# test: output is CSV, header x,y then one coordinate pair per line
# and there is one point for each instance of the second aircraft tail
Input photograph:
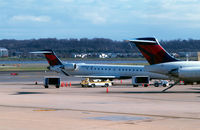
x,y
152,50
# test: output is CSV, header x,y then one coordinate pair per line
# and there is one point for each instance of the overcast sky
x,y
114,19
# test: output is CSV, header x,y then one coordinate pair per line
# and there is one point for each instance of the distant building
x,y
190,54
79,55
102,55
3,52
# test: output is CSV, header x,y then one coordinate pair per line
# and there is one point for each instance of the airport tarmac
x,y
24,105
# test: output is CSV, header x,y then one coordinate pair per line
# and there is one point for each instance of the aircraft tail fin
x,y
50,56
152,50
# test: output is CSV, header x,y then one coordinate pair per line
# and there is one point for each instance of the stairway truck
x,y
140,81
51,81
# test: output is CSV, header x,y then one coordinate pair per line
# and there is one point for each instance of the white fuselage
x,y
184,70
109,71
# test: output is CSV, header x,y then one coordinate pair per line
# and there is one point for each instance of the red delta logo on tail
x,y
152,50
50,56
52,59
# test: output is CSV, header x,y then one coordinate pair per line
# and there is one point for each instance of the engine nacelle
x,y
70,66
188,73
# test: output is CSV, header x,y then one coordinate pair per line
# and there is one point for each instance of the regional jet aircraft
x,y
97,71
161,62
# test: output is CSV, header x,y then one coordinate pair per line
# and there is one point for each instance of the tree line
x,y
65,47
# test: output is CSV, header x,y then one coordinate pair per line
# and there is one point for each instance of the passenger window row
x,y
113,69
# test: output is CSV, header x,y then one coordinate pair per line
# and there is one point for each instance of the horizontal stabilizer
x,y
143,40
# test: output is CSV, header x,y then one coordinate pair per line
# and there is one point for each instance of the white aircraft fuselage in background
x,y
97,71
105,71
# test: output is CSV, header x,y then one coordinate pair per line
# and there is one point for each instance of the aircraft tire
x,y
106,85
156,85
135,85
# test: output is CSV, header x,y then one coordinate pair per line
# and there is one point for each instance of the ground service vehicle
x,y
97,82
140,80
51,81
163,83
